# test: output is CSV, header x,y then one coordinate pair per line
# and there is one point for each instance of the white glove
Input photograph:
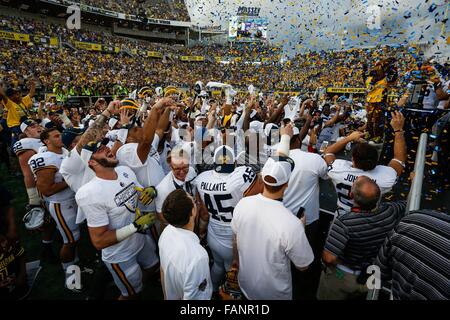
x,y
65,120
251,89
205,106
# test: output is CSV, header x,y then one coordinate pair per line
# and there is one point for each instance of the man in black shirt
x,y
12,259
354,241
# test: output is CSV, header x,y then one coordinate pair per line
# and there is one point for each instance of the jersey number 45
x,y
217,210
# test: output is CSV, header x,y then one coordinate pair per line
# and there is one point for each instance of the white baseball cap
x,y
279,169
24,125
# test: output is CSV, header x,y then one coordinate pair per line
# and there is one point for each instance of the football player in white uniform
x,y
364,162
76,172
24,149
430,99
110,202
220,190
59,198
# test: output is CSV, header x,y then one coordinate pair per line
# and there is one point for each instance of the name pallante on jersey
x,y
207,186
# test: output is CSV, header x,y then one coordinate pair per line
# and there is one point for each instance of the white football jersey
x,y
343,175
51,160
430,100
76,173
113,203
26,144
221,192
149,173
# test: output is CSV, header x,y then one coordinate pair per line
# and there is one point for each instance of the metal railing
x,y
415,193
414,197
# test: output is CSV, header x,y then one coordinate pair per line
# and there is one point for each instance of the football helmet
x,y
34,219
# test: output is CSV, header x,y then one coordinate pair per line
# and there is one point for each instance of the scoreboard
x,y
248,29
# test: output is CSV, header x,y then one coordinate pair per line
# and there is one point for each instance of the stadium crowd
x,y
217,196
156,9
257,64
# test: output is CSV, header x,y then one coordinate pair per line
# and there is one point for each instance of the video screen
x,y
248,29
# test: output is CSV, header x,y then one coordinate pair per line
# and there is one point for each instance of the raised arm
x,y
3,94
333,120
40,112
150,126
398,162
163,123
95,131
305,128
276,115
329,154
247,112
32,88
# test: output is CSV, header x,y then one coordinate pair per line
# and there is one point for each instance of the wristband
x,y
109,113
400,162
125,232
33,196
65,120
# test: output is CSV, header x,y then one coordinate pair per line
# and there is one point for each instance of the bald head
x,y
366,193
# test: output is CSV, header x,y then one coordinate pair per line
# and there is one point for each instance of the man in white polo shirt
x,y
267,237
184,269
181,176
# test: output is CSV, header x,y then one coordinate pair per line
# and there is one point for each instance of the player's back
x,y
343,175
222,191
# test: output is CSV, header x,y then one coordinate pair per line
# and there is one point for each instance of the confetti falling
x,y
324,25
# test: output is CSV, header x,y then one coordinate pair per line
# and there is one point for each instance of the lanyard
x,y
188,188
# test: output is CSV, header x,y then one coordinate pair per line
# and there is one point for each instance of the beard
x,y
108,163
